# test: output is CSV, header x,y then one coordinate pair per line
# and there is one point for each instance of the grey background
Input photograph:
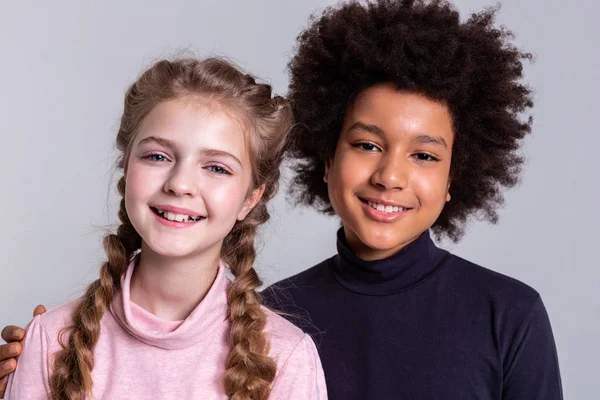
x,y
65,67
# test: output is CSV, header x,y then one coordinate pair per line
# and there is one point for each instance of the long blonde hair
x,y
249,371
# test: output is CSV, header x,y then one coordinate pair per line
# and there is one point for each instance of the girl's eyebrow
x,y
161,141
220,153
205,151
421,139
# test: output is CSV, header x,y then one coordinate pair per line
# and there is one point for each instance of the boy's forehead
x,y
385,107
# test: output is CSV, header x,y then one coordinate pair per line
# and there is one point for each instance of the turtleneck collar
x,y
391,275
203,320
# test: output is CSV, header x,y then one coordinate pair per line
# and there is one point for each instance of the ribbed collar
x,y
391,275
202,322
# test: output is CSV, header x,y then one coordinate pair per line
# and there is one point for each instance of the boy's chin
x,y
377,246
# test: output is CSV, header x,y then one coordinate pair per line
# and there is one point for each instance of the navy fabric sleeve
x,y
532,373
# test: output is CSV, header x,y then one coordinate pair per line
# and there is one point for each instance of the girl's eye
x,y
218,170
425,157
366,146
155,157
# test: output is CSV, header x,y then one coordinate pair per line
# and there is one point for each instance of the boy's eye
x,y
425,157
218,170
366,146
155,157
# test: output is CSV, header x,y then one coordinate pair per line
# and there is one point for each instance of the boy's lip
x,y
381,216
383,202
177,210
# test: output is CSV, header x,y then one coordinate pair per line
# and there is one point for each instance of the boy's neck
x,y
172,288
366,253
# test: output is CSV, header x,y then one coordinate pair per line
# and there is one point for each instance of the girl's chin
x,y
171,251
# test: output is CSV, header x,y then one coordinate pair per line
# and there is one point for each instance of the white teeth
x,y
171,216
385,208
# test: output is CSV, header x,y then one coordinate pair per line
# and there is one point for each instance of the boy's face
x,y
389,177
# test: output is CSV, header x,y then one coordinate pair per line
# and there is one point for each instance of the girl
x,y
200,145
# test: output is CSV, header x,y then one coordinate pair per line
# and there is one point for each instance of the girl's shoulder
x,y
299,370
286,338
55,320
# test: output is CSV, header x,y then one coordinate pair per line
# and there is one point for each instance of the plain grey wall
x,y
65,67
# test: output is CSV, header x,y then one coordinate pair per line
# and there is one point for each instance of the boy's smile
x,y
389,177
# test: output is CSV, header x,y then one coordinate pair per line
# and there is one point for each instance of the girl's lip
x,y
175,224
177,210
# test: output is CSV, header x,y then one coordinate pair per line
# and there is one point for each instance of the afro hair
x,y
422,47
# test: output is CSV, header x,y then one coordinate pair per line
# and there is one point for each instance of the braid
x,y
71,378
249,370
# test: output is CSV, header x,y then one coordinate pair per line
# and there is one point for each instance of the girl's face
x,y
188,178
389,177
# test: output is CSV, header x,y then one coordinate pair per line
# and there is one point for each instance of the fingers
x,y
7,366
3,382
13,333
39,310
10,350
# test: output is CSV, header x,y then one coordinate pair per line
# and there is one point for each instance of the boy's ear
x,y
250,202
448,196
327,167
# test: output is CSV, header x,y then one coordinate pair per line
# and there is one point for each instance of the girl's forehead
x,y
194,125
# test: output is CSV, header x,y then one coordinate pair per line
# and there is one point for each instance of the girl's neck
x,y
172,288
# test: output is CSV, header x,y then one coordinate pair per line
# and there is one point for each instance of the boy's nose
x,y
391,173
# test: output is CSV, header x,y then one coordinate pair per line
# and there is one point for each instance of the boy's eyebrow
x,y
205,151
423,139
369,128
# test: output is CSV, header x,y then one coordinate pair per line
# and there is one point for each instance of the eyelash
x,y
151,157
223,170
430,157
361,146
217,169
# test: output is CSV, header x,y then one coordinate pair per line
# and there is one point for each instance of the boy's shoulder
x,y
314,276
483,282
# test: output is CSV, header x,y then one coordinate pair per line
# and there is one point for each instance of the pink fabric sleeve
x,y
301,377
31,379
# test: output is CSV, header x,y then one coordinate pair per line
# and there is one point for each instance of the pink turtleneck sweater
x,y
139,356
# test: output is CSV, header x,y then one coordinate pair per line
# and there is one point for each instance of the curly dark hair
x,y
422,47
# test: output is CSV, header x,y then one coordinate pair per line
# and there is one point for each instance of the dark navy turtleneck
x,y
421,324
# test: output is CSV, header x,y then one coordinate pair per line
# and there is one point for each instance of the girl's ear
x,y
250,202
448,196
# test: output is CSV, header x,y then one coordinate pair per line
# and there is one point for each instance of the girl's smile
x,y
176,217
